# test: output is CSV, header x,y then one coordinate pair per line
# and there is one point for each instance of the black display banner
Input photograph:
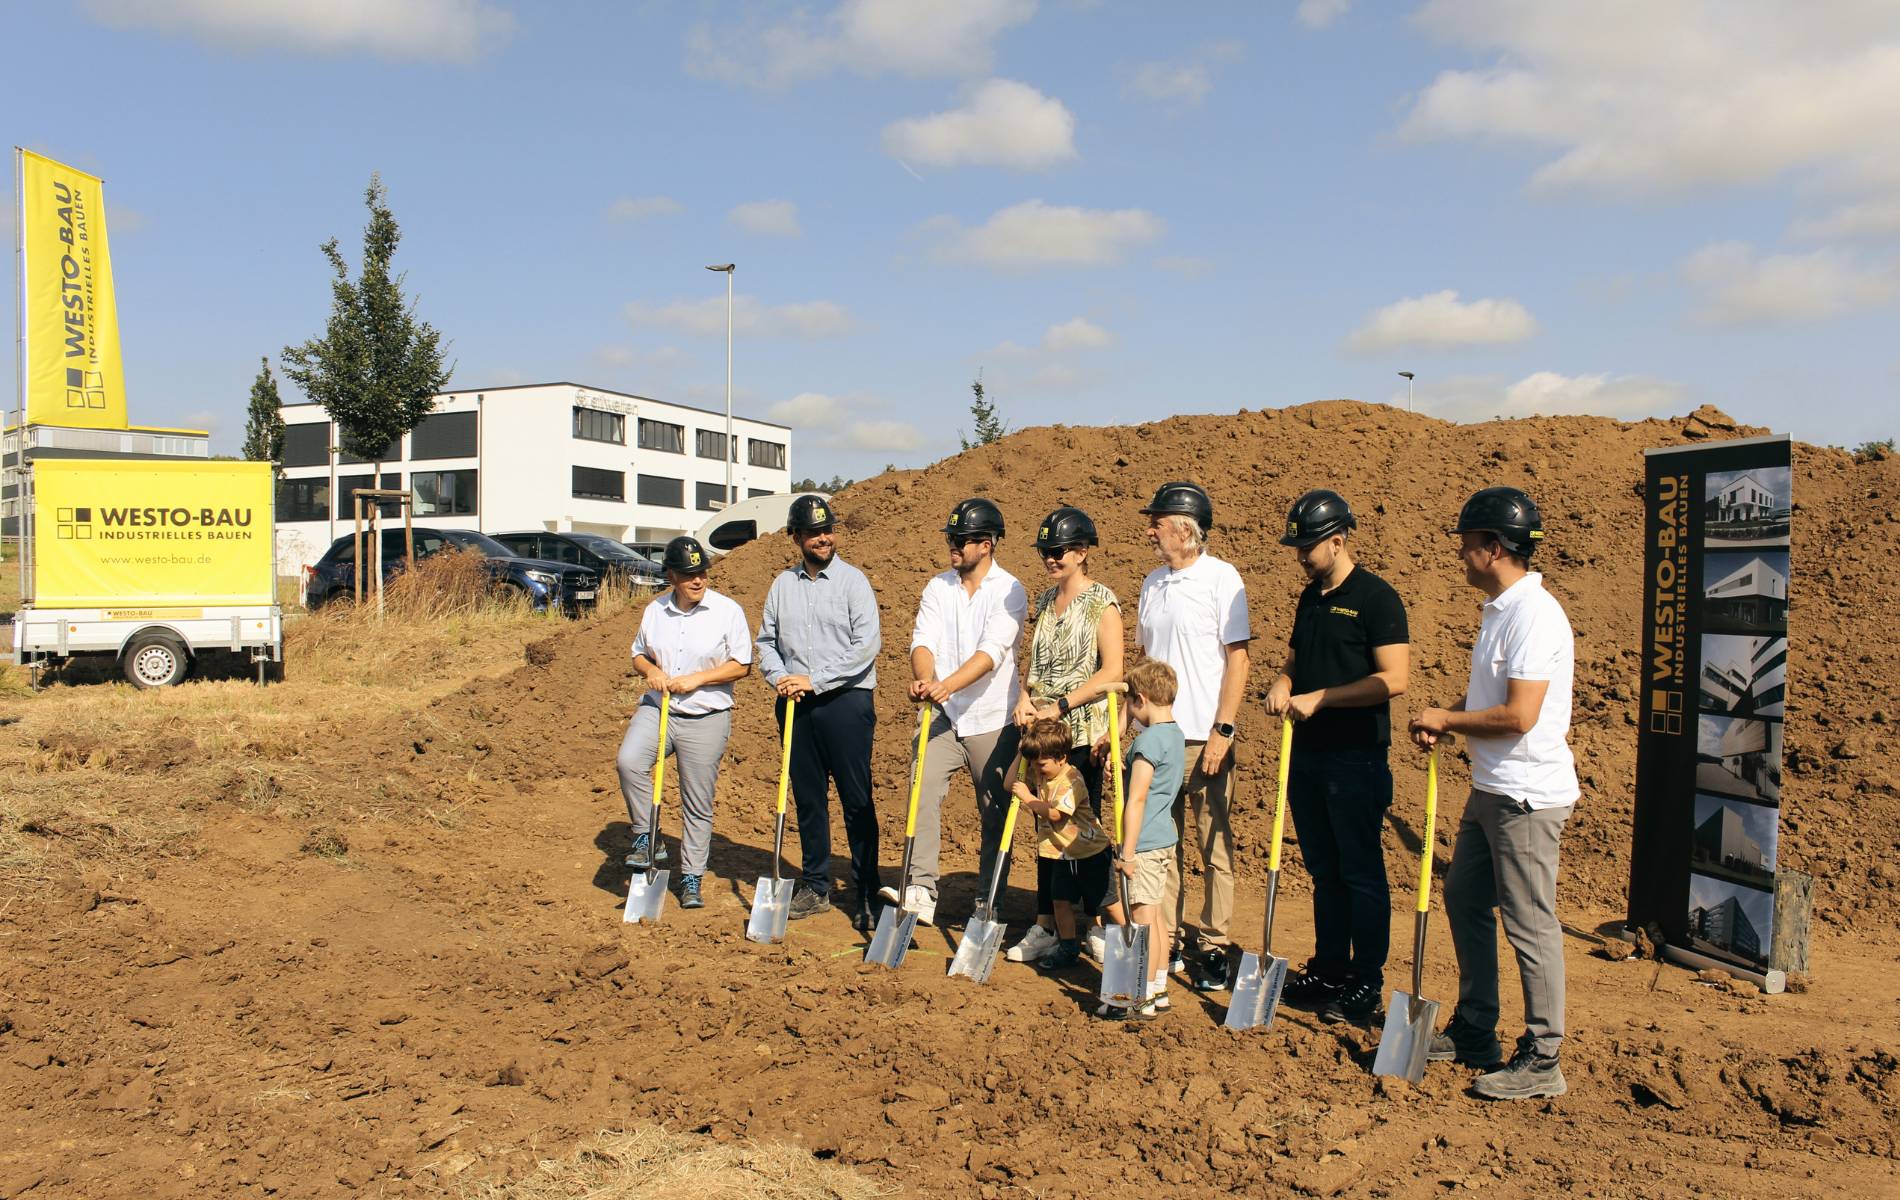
x,y
1715,674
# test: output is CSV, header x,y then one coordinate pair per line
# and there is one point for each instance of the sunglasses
x,y
958,541
1052,553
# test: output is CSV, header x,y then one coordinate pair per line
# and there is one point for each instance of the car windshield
x,y
605,547
468,539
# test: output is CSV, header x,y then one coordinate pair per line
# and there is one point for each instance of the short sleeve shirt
x,y
1078,834
1165,749
1524,634
1334,635
682,641
1188,618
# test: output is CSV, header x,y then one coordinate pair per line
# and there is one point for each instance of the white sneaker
x,y
916,899
1034,947
1095,942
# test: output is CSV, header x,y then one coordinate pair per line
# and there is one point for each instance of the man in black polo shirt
x,y
1349,655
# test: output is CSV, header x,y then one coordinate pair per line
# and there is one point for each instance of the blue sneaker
x,y
689,892
637,856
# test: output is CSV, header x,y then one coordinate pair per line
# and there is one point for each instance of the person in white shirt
x,y
693,643
963,660
1516,720
1193,616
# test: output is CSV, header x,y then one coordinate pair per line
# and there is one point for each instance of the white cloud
x,y
1873,220
1440,321
1640,98
1742,288
1182,81
1318,14
639,208
769,218
1002,124
205,419
919,38
1078,333
1033,234
448,30
838,422
1547,393
809,320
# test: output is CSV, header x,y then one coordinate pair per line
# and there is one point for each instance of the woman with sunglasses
x,y
1074,655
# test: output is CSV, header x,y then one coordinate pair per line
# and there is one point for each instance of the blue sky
x,y
1116,210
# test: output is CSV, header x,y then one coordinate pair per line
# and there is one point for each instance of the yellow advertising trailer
x,y
153,562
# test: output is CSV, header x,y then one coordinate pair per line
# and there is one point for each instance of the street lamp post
x,y
1408,390
727,269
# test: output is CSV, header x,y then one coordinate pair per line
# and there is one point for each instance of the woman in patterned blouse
x,y
1074,655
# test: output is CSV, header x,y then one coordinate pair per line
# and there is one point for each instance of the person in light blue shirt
x,y
818,644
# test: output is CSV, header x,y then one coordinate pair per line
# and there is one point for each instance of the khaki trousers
x,y
1201,814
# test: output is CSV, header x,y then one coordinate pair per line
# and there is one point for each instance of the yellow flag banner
x,y
74,375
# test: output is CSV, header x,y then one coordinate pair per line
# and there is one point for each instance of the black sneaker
x,y
863,918
1211,971
806,902
1357,1002
1463,1042
1528,1076
1065,955
689,892
1307,990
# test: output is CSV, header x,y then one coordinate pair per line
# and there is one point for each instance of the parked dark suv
x,y
602,555
574,589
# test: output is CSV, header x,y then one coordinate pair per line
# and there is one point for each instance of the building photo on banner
x,y
1742,699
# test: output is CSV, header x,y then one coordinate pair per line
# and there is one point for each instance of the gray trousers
x,y
1506,859
990,759
697,744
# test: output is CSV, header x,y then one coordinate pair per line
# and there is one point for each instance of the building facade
x,y
137,442
550,456
1753,594
1726,927
1724,841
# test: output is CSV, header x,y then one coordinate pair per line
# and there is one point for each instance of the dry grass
x,y
9,578
654,1164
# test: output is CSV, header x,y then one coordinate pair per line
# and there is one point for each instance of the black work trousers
x,y
1338,800
831,742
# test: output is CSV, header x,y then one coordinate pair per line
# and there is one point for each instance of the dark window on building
x,y
307,445
444,435
443,493
707,495
710,443
658,489
303,499
658,435
346,501
765,454
596,426
391,453
751,492
591,483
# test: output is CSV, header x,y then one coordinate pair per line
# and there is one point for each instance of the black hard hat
x,y
809,514
975,516
1066,526
686,555
1507,512
1317,516
1183,500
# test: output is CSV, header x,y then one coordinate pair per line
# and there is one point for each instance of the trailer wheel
x,y
155,659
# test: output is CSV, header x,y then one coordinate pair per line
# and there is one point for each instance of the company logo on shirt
x,y
1344,612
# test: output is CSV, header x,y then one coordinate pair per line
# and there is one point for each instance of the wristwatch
x,y
1062,705
1225,729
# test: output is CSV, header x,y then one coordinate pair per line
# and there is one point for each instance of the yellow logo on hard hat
x,y
953,517
1044,535
1293,529
692,558
818,513
1537,535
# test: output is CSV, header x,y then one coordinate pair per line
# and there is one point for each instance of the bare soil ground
x,y
360,932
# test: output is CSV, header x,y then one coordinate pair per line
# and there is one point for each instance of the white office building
x,y
549,456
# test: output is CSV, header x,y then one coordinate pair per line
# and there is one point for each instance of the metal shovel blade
x,y
1409,1022
646,897
1125,965
976,953
891,942
1256,994
771,908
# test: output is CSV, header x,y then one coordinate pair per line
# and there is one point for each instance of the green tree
x,y
989,425
264,427
837,483
376,368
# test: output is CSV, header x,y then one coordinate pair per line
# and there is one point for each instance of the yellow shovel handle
x,y
785,754
1009,820
1431,821
917,776
1115,760
659,758
1279,802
